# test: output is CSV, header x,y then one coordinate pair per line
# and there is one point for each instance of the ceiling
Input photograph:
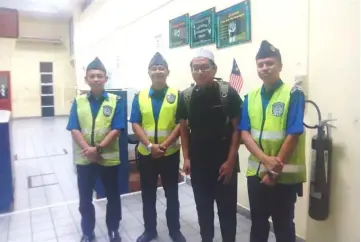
x,y
49,9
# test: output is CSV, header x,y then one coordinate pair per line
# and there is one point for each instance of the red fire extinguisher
x,y
320,181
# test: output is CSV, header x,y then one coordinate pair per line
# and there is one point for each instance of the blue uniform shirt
x,y
118,121
295,112
157,98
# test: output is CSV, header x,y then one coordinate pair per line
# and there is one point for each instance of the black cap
x,y
158,59
267,50
96,64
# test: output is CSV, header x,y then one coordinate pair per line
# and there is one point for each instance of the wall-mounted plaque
x,y
202,28
234,25
179,31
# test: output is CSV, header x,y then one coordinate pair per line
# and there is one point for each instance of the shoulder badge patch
x,y
107,110
171,98
278,109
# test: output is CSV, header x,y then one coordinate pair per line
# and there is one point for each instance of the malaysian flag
x,y
236,80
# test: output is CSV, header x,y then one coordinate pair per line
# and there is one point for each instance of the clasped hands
x,y
274,167
92,155
158,150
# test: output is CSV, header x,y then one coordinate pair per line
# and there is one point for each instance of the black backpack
x,y
223,92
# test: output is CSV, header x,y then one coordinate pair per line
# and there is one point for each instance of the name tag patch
x,y
107,110
278,109
170,98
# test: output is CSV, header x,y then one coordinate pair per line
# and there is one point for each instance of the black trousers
x,y
168,169
207,189
206,157
277,202
87,176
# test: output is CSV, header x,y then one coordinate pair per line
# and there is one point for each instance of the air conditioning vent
x,y
45,40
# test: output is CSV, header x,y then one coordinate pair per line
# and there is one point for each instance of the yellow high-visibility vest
x,y
269,133
166,121
102,126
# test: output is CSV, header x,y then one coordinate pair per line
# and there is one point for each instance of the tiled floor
x,y
61,222
45,206
43,167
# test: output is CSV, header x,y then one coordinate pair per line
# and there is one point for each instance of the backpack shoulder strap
x,y
223,92
187,95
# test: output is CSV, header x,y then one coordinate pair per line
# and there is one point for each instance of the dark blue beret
x,y
267,50
96,64
157,60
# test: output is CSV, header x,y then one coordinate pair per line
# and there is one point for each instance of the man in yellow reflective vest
x,y
95,122
154,122
272,130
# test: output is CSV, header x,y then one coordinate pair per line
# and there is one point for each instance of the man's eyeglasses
x,y
201,68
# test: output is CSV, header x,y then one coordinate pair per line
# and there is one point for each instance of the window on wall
x,y
47,89
46,67
46,79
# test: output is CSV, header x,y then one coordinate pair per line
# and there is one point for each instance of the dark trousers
x,y
207,189
277,202
168,169
87,176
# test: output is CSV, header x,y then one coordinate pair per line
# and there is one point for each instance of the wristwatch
x,y
99,149
149,147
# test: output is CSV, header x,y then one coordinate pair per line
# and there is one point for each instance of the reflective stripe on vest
x,y
102,124
174,145
108,156
286,168
271,132
103,131
151,133
166,121
268,135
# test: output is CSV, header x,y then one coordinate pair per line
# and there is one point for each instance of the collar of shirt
x,y
104,96
158,93
274,87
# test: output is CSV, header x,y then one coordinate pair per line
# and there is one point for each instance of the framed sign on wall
x,y
202,28
234,25
179,31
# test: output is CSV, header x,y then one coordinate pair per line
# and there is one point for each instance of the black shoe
x,y
147,237
178,237
114,236
86,238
